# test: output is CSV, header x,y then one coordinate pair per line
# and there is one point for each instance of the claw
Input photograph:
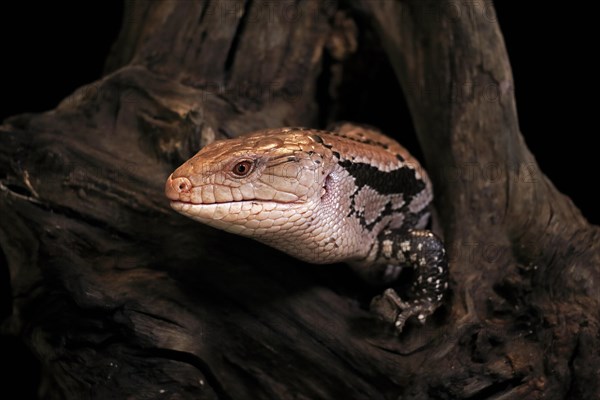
x,y
393,309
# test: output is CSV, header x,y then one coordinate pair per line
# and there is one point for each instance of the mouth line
x,y
189,203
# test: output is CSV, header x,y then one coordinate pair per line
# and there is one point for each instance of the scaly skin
x,y
347,195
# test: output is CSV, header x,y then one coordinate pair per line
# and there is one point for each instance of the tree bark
x,y
119,297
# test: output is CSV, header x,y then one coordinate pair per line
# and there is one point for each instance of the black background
x,y
50,49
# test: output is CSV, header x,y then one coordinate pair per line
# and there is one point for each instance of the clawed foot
x,y
393,309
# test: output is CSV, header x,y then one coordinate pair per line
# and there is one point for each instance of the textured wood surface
x,y
119,297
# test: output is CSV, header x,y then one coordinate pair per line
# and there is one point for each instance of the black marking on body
x,y
387,211
410,219
399,181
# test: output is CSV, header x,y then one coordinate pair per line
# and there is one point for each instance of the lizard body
x,y
347,195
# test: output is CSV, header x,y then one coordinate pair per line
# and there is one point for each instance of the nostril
x,y
182,184
177,186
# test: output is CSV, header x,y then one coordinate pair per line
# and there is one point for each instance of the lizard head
x,y
252,185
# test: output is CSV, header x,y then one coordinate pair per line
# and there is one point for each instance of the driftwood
x,y
119,297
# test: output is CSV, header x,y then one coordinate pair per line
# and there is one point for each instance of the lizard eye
x,y
243,168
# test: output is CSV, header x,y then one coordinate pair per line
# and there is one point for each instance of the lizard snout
x,y
176,187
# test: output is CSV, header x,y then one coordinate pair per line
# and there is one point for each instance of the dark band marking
x,y
387,211
402,180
